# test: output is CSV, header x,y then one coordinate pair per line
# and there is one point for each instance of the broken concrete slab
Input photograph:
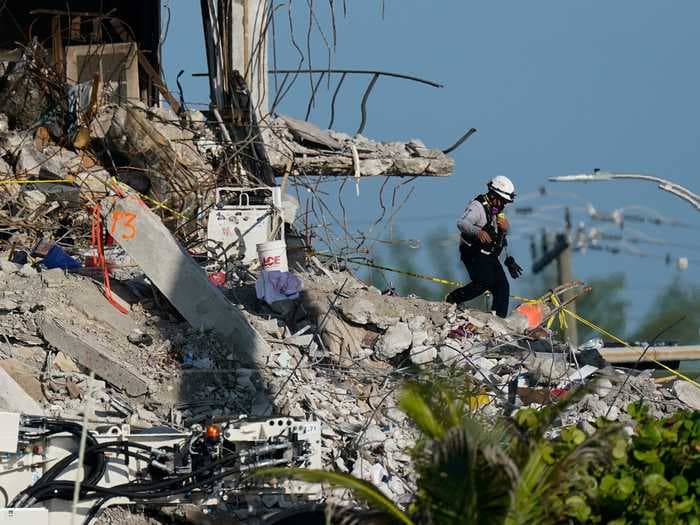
x,y
85,297
581,374
91,355
688,393
24,376
14,398
146,239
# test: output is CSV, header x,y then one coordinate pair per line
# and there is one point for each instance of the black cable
x,y
135,487
55,489
93,477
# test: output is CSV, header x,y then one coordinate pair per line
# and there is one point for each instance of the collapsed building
x,y
139,294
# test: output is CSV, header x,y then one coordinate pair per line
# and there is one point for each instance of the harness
x,y
475,246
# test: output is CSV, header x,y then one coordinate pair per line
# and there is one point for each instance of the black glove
x,y
513,268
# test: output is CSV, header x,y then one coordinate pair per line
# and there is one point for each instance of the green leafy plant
x,y
657,478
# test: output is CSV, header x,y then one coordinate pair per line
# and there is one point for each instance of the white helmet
x,y
503,187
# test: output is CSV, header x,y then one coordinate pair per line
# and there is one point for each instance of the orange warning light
x,y
213,432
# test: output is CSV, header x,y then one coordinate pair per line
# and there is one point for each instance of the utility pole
x,y
561,252
235,38
565,275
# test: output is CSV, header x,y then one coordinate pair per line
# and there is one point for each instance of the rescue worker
x,y
483,228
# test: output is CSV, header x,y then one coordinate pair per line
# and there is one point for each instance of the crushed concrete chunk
x,y
396,339
366,310
9,267
421,355
546,370
450,355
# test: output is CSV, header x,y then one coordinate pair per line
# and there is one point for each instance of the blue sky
x,y
553,88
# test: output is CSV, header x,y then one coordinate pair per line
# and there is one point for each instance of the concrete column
x,y
144,237
248,40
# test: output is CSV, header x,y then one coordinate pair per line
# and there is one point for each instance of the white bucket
x,y
273,255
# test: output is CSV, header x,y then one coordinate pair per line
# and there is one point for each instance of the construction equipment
x,y
161,467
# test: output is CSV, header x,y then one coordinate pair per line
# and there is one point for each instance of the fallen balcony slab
x,y
313,151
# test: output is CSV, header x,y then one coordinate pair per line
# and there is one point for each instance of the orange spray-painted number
x,y
124,219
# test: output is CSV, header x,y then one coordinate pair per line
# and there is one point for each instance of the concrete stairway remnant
x,y
146,239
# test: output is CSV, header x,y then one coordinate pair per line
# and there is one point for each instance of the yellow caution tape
x,y
440,280
561,315
162,205
601,331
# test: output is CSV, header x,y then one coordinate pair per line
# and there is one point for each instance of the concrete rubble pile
x,y
339,353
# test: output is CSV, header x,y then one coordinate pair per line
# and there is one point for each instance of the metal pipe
x,y
349,71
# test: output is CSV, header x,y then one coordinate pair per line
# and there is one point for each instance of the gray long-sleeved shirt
x,y
474,219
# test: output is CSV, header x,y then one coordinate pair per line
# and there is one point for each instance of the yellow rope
x,y
394,270
162,205
625,343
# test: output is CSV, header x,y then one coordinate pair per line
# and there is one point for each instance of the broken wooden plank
x,y
158,82
91,355
631,354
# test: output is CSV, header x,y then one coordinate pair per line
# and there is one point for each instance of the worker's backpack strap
x,y
474,245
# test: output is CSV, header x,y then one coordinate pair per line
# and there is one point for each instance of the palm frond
x,y
361,489
533,485
463,479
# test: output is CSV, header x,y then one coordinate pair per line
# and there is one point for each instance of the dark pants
x,y
486,273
